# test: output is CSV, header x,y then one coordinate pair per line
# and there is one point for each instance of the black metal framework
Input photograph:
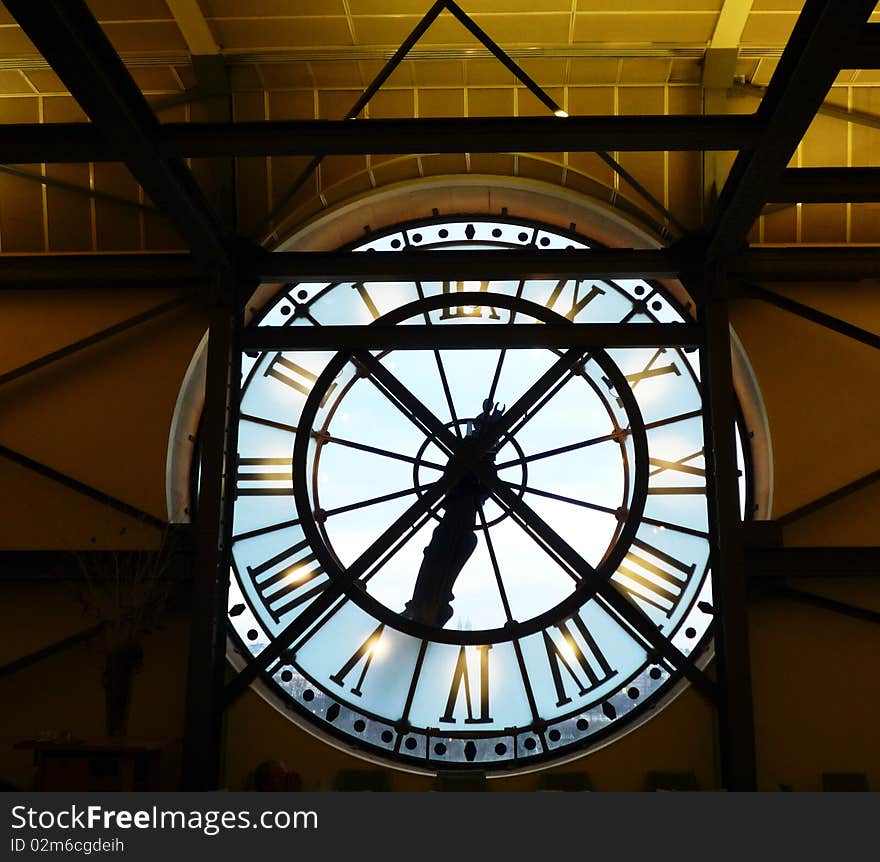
x,y
569,340
828,36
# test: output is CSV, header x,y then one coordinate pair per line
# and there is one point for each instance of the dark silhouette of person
x,y
453,541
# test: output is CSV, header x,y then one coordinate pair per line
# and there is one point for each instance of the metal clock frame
x,y
677,667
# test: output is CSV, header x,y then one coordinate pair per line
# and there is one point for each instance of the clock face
x,y
479,558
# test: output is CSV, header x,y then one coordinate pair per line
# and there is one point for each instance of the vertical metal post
x,y
203,731
736,731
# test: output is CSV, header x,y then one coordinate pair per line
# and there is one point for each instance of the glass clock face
x,y
478,538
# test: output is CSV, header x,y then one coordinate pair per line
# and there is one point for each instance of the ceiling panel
x,y
336,73
143,10
270,8
248,35
280,75
498,102
696,27
599,70
12,81
764,28
45,81
644,70
675,6
528,29
145,36
402,76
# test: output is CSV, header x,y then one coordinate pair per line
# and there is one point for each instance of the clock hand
x,y
453,540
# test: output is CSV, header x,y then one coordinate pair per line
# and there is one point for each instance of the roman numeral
x,y
294,376
282,590
680,466
578,302
461,678
461,310
258,477
648,371
571,658
363,293
364,653
655,576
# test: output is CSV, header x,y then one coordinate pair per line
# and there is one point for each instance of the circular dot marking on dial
x,y
500,749
416,237
583,724
285,309
656,305
411,743
639,289
554,735
632,693
496,232
522,237
360,725
690,632
530,744
387,736
443,233
308,695
655,673
439,749
252,634
286,676
302,294
395,243
545,241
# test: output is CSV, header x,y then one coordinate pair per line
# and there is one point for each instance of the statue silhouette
x,y
453,540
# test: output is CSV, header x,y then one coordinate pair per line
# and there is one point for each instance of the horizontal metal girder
x,y
463,265
810,562
792,264
835,264
80,142
865,54
97,270
463,336
827,185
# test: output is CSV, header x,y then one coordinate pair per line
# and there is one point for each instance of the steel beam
x,y
781,590
793,264
812,562
807,312
833,264
204,728
865,53
69,37
827,185
823,34
50,650
91,340
736,733
31,271
463,265
829,498
464,336
86,490
79,142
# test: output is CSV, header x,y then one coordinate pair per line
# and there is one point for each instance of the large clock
x,y
481,558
